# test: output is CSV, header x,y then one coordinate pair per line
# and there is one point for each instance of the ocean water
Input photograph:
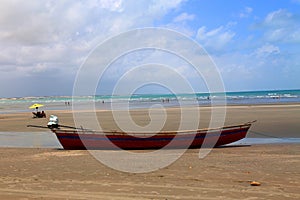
x,y
21,104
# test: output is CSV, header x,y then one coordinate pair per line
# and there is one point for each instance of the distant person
x,y
36,114
39,114
43,114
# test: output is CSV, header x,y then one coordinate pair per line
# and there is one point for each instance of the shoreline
x,y
120,106
69,110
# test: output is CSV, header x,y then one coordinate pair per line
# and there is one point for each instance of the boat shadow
x,y
218,147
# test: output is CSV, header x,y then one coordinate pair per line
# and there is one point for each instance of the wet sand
x,y
272,120
225,173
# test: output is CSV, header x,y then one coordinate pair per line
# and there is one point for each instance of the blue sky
x,y
255,44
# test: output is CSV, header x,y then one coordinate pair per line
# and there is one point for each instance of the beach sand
x,y
226,173
272,120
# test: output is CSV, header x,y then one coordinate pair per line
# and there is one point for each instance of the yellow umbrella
x,y
36,105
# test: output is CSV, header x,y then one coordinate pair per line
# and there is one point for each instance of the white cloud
x,y
42,36
184,17
215,39
111,5
159,7
264,68
279,17
281,26
45,23
267,50
246,12
180,24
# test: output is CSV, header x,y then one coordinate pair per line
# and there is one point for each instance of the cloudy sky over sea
x,y
255,44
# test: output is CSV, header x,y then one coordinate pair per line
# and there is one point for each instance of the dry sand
x,y
225,173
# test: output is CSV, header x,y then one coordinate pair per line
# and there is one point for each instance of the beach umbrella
x,y
36,105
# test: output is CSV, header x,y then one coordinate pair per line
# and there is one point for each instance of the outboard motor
x,y
53,122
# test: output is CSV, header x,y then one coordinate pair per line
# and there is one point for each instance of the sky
x,y
254,43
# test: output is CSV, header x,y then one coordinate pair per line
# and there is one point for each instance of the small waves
x,y
248,97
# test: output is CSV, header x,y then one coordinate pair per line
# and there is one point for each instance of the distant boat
x,y
88,139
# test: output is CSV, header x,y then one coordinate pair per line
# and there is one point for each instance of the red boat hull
x,y
81,139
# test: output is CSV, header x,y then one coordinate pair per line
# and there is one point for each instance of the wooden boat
x,y
88,139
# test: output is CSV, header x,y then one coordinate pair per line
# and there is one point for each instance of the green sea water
x,y
135,101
